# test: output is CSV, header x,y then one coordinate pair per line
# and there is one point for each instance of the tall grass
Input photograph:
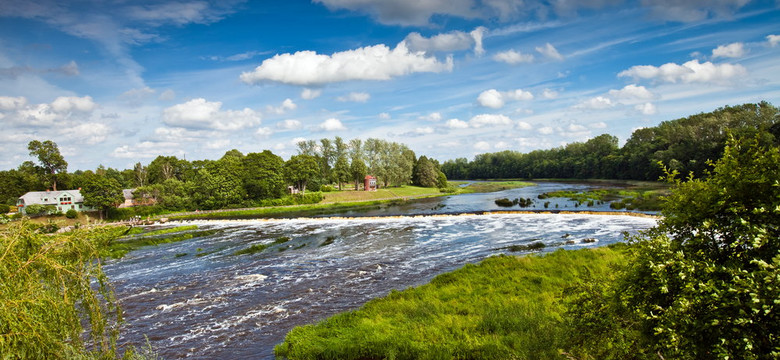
x,y
506,307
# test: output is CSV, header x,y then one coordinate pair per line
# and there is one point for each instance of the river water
x,y
196,299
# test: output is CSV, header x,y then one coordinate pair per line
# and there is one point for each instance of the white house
x,y
62,200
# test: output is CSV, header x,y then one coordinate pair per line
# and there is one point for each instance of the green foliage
x,y
52,162
504,202
301,169
71,214
39,209
264,175
704,283
4,209
504,308
55,300
102,193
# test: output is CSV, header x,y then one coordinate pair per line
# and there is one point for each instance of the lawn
x,y
379,194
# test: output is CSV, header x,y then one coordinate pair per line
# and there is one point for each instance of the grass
x,y
646,199
503,308
493,186
383,193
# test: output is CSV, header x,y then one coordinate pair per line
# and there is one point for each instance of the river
x,y
196,299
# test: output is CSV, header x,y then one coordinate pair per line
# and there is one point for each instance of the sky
x,y
117,82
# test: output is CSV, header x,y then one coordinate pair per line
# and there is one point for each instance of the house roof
x,y
50,197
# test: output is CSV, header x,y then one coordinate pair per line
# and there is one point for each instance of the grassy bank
x,y
503,308
135,239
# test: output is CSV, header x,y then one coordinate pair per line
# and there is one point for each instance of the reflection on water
x,y
239,307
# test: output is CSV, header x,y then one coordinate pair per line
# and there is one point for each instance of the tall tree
x,y
264,175
102,193
358,171
341,170
301,169
52,162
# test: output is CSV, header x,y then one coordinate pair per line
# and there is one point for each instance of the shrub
x,y
504,202
4,209
71,214
327,188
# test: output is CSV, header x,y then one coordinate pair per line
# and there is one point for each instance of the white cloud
x,y
632,92
88,133
405,12
598,125
482,145
646,109
550,51
355,97
456,124
308,94
773,40
576,128
446,42
377,62
596,103
289,124
177,13
494,99
477,35
297,140
423,130
331,124
522,125
137,96
434,116
547,130
733,50
513,57
287,105
217,144
65,104
145,150
384,116
481,120
201,114
549,94
264,132
689,72
8,103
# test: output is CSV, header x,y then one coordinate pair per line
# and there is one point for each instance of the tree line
x,y
684,145
234,180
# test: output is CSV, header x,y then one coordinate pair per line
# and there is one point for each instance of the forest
x,y
235,180
684,145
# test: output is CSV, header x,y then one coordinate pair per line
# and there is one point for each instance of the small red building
x,y
369,183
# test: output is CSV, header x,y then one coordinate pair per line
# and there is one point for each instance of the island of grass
x,y
136,238
647,197
506,307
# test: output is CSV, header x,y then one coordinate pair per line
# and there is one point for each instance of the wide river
x,y
230,306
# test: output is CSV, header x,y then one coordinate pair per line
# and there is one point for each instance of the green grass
x,y
646,199
493,186
503,308
382,193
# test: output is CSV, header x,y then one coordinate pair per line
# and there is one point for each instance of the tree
x,y
102,193
301,169
264,175
426,173
358,171
341,170
51,160
704,283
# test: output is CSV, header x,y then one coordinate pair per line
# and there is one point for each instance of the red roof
x,y
369,177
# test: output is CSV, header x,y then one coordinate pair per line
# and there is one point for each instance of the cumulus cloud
x,y
496,99
145,150
264,132
632,92
481,120
331,124
355,97
434,116
88,133
384,116
308,94
477,35
550,51
287,105
522,125
646,109
513,57
62,109
456,124
689,72
547,130
482,145
379,62
773,40
167,95
598,125
201,114
549,94
289,124
596,103
137,96
733,50
692,10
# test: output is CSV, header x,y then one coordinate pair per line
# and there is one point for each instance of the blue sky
x,y
118,82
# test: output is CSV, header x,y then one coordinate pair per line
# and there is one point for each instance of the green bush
x,y
71,214
4,209
327,188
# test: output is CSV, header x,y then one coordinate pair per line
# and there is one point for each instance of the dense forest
x,y
234,180
684,145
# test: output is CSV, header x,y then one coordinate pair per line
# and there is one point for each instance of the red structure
x,y
369,183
